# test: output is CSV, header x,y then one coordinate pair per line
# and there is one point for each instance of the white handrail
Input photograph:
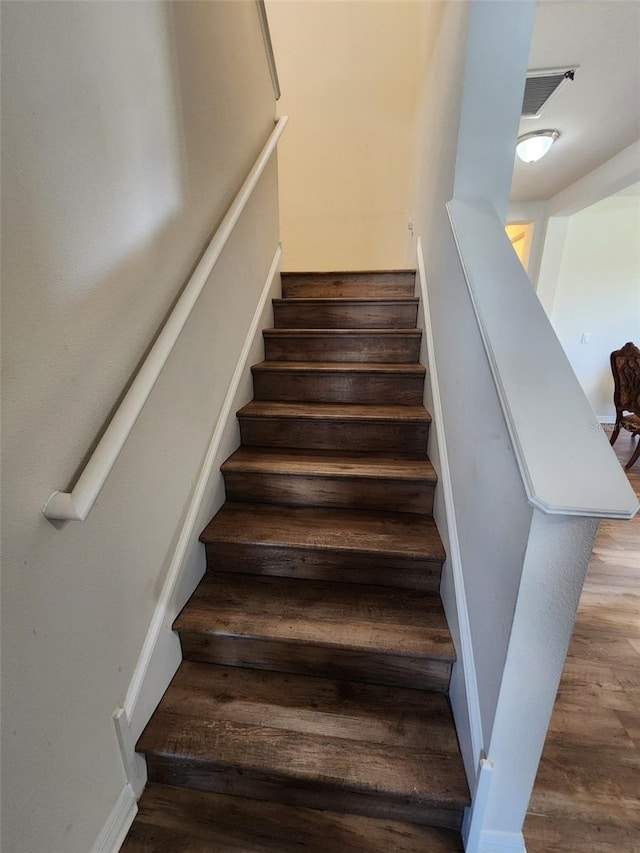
x,y
268,46
566,464
76,505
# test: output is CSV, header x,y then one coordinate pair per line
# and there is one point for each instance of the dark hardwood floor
x,y
587,793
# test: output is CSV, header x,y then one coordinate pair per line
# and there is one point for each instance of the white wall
x,y
349,74
127,128
598,292
617,174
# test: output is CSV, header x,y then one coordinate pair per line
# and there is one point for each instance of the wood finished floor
x,y
587,793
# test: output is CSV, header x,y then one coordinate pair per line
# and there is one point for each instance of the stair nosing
x,y
359,273
345,300
233,464
412,332
317,643
329,411
328,367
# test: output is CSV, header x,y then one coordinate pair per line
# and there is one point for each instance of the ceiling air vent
x,y
540,86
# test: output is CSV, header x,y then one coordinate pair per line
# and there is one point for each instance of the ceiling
x,y
598,114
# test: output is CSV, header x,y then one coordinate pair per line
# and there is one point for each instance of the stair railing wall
x,y
537,535
77,504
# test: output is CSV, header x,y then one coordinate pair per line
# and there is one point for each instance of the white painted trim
x,y
502,842
115,829
546,412
76,505
189,531
135,765
268,47
475,815
468,660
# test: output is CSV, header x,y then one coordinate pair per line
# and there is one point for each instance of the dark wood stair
x,y
188,821
339,382
330,426
349,285
336,313
356,546
319,743
394,346
331,478
337,630
310,709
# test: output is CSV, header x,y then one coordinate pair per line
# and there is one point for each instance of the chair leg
x,y
615,434
634,457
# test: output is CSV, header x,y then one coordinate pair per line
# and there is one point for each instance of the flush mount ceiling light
x,y
532,146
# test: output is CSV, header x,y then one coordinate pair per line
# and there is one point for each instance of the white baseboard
x,y
160,653
118,823
502,842
134,765
474,816
455,559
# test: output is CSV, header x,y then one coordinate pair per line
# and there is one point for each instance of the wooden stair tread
x,y
331,463
356,531
361,738
175,819
359,367
346,616
334,411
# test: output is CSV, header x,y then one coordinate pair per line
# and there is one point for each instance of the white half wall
x,y
127,130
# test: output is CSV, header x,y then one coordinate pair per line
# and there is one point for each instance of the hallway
x,y
587,792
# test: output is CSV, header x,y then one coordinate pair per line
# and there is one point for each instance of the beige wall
x,y
598,292
127,128
349,78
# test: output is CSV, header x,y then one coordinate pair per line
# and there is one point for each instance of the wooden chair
x,y
625,366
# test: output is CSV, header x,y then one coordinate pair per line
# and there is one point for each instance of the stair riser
x,y
183,772
371,316
390,285
324,565
389,349
319,660
356,388
331,435
360,493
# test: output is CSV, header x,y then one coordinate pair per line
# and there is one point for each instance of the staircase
x,y
310,711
